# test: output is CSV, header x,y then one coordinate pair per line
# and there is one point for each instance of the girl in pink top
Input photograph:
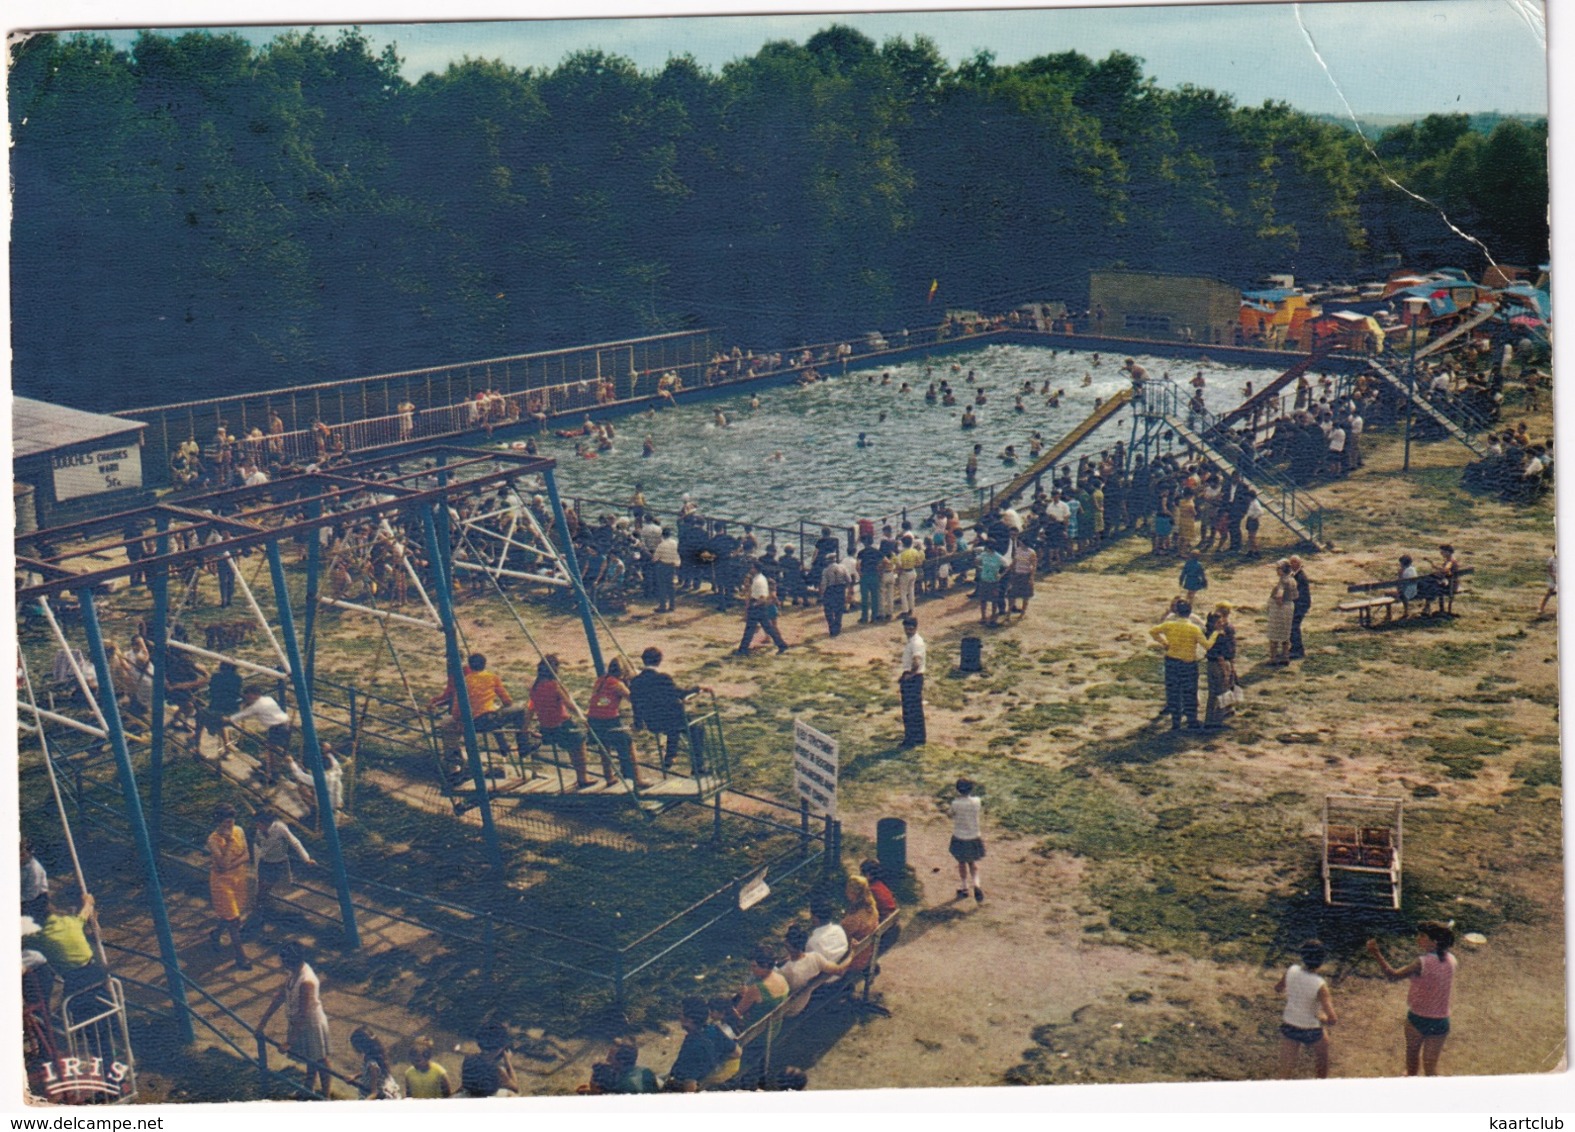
x,y
1432,978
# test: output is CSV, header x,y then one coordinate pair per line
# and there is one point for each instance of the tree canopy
x,y
198,212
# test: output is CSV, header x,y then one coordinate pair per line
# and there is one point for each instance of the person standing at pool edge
x,y
910,685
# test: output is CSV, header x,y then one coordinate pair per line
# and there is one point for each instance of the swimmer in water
x,y
754,402
1009,456
650,447
972,468
949,398
721,419
1044,390
1096,359
882,418
1055,400
864,441
1088,379
968,419
956,367
903,388
885,378
930,394
979,398
775,457
1019,407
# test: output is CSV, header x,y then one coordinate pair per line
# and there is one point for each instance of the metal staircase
x,y
1164,406
1473,422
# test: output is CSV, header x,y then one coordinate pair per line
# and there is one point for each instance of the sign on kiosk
x,y
815,768
90,473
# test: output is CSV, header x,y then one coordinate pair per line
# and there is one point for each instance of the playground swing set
x,y
59,564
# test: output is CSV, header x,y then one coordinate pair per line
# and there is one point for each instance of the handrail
x,y
343,382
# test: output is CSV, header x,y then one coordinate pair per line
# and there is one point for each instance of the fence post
x,y
716,819
803,827
355,741
826,844
262,1061
488,966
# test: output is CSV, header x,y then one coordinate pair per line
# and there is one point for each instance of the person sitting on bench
x,y
1406,591
488,697
658,705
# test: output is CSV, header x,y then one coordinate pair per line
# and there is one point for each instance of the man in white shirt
x,y
760,611
267,712
910,685
666,560
1336,450
827,938
1353,439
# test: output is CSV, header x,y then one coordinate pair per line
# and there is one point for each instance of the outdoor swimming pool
x,y
916,451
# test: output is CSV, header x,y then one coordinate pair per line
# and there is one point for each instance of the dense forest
x,y
200,214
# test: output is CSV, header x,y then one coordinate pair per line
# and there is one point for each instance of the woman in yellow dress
x,y
228,880
1186,523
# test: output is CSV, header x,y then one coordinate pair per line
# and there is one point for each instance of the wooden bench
x,y
1364,607
852,991
1430,590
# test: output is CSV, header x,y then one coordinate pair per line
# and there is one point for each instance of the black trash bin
x,y
972,652
891,848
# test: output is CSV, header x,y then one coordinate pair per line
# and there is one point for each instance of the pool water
x,y
797,457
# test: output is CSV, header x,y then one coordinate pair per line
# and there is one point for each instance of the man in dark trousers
x,y
869,557
834,582
1300,608
657,704
911,685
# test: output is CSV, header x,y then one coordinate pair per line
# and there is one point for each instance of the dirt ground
x,y
1144,890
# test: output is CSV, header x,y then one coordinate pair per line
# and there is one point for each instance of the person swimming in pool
x,y
721,419
864,440
1009,455
969,420
650,447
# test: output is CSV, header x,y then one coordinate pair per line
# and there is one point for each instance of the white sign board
x,y
91,473
815,768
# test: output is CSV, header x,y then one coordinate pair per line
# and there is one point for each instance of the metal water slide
x,y
1058,451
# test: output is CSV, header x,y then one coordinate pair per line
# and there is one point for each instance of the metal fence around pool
x,y
365,412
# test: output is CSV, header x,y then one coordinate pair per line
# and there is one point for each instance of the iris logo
x,y
83,1078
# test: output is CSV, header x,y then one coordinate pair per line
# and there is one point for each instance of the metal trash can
x,y
891,848
972,653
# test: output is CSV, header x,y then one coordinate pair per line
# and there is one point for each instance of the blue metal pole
x,y
309,744
139,827
159,583
581,597
441,586
313,575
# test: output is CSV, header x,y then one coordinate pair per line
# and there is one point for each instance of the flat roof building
x,y
68,463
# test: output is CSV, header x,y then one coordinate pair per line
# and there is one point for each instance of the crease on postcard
x,y
1526,10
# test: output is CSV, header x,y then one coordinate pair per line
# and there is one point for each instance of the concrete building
x,y
1172,308
68,464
